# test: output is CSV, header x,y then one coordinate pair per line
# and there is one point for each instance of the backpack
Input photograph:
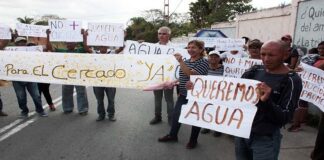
x,y
288,113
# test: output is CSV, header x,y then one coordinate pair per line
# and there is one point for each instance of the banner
x,y
221,44
105,34
313,85
235,67
25,48
65,31
5,32
135,48
106,70
31,30
222,104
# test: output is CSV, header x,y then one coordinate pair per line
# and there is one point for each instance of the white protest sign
x,y
25,48
135,48
309,30
235,67
106,70
222,44
31,30
105,34
220,103
313,85
65,30
5,32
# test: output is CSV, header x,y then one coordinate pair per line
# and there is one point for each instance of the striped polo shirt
x,y
200,66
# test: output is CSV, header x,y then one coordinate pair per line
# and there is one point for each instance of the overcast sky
x,y
113,11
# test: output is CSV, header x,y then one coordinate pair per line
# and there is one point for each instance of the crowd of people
x,y
279,90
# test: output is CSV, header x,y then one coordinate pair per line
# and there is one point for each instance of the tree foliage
x,y
205,12
145,27
26,20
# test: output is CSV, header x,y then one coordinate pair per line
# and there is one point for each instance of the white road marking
x,y
57,102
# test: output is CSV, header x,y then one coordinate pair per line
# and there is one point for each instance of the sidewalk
x,y
297,145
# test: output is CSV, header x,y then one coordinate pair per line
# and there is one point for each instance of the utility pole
x,y
166,11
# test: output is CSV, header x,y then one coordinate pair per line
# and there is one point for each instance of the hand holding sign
x,y
178,56
263,91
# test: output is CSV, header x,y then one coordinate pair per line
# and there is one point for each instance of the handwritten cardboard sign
x,y
309,30
135,48
221,44
105,34
235,67
31,30
313,85
25,48
220,103
5,32
65,31
113,70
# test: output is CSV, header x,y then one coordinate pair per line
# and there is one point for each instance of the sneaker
x,y
168,138
191,145
156,120
3,114
112,118
205,131
217,134
23,115
293,128
43,114
84,113
100,118
52,107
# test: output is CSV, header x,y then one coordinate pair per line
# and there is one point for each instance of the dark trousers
x,y
44,88
176,125
100,94
1,104
318,153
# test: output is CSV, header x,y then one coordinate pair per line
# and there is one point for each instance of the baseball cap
x,y
214,52
20,39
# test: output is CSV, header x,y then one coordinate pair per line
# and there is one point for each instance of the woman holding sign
x,y
196,65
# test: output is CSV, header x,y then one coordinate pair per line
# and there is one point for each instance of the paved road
x,y
75,137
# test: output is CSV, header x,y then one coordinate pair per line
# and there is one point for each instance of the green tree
x,y
25,20
205,12
145,27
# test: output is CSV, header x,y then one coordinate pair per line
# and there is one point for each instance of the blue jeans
x,y
100,94
32,88
258,147
168,96
175,127
67,98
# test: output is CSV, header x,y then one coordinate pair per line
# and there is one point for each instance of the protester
x,y
67,90
20,90
292,59
215,69
44,88
100,94
318,153
196,65
254,48
301,112
3,44
163,36
279,93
